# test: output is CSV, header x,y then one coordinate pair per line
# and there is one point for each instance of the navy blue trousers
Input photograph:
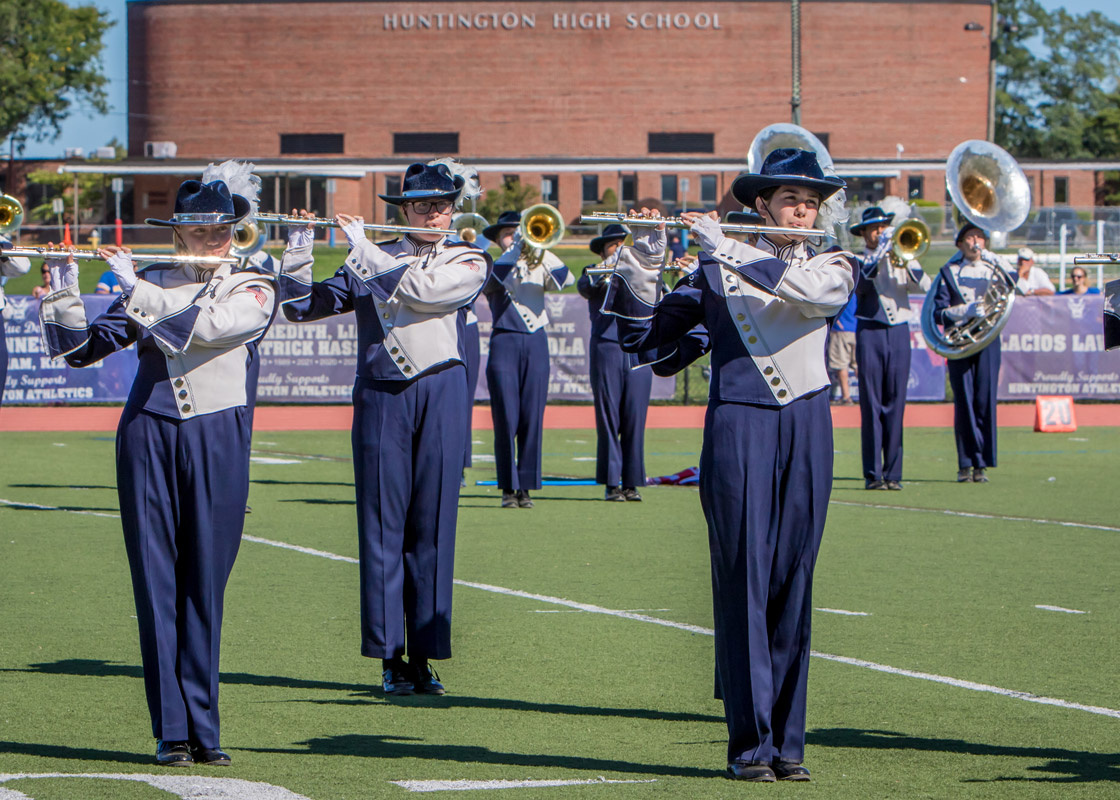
x,y
182,486
472,346
765,480
975,381
408,456
883,359
517,375
621,396
3,359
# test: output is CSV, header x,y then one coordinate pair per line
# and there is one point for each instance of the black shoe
x,y
978,475
426,681
894,486
750,771
509,500
209,756
614,495
523,499
874,485
396,681
173,754
790,771
631,494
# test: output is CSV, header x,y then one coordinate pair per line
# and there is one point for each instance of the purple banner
x,y
1055,345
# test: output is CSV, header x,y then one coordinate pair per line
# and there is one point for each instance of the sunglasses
x,y
1077,276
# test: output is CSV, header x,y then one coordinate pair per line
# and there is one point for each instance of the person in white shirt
x,y
1032,279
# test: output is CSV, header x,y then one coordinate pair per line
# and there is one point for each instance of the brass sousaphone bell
x,y
991,191
469,226
11,215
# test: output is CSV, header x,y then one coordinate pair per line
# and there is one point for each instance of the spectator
x,y
842,352
107,284
44,288
1032,279
1080,283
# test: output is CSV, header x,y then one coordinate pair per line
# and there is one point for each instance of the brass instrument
x,y
677,222
910,241
469,226
11,214
1097,259
990,190
92,255
249,237
325,222
541,229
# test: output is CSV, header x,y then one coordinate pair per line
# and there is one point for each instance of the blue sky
x,y
91,131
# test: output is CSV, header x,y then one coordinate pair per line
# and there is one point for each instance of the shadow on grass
x,y
57,486
317,501
114,510
365,693
273,482
74,753
388,747
1070,766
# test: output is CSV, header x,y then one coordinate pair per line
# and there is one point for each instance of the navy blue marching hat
x,y
871,216
970,226
786,166
426,182
612,233
199,203
743,218
507,219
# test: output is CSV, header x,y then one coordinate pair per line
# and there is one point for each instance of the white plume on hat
x,y
834,211
897,207
239,177
471,187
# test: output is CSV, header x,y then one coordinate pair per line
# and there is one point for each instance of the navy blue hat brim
x,y
425,194
241,208
600,242
857,229
491,232
970,226
747,187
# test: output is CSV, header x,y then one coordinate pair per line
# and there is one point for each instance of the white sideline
x,y
465,785
856,662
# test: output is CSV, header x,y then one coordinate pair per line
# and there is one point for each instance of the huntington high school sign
x,y
559,21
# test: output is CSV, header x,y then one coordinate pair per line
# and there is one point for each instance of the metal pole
x,y
1063,232
992,53
795,29
77,222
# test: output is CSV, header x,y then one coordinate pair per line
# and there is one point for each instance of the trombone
x,y
93,255
325,222
677,222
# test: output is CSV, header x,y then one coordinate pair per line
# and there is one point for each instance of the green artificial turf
x,y
539,690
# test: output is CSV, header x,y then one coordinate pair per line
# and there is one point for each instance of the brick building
x,y
332,98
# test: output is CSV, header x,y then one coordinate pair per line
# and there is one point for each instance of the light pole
x,y
795,31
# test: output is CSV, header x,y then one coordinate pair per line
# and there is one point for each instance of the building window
x,y
425,143
550,189
682,142
1061,191
302,143
709,189
590,189
628,189
669,189
510,180
915,187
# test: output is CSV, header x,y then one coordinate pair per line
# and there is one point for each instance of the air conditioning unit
x,y
160,149
105,152
74,152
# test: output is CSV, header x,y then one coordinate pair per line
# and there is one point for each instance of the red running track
x,y
337,418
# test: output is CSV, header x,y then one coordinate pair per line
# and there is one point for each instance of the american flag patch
x,y
259,294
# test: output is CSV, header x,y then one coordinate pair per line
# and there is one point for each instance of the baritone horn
x,y
991,191
541,229
469,226
11,214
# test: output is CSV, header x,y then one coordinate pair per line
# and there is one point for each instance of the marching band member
x,y
410,412
182,444
620,388
883,315
9,268
965,279
517,366
766,464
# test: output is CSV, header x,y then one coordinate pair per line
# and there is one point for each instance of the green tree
x,y
50,59
512,196
1055,72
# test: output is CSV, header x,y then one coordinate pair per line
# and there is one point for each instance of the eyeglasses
x,y
1079,276
425,207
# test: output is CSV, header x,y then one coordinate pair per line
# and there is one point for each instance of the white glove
x,y
64,273
121,265
964,312
300,236
355,233
708,233
651,241
887,235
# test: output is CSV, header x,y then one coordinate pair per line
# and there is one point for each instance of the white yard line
x,y
37,507
465,786
976,515
855,662
1063,610
843,612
